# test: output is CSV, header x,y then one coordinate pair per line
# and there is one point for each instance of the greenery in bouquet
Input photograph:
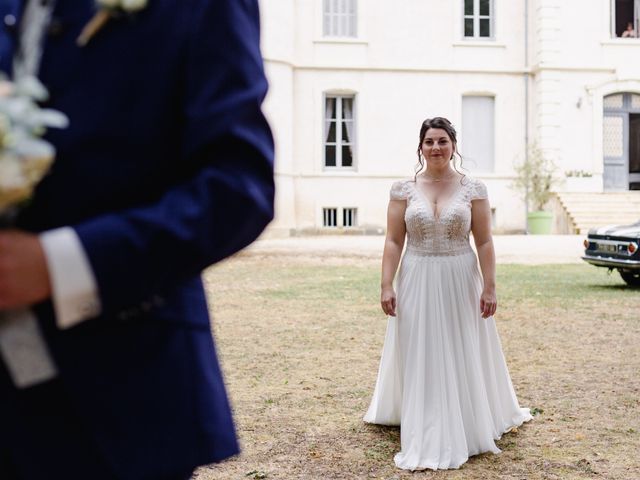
x,y
24,156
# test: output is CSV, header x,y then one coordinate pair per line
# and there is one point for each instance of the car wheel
x,y
632,278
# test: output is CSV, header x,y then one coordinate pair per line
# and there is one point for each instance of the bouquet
x,y
24,159
24,156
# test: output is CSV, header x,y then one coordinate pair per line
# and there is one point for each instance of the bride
x,y
443,376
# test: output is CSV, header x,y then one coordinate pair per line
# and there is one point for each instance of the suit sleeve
x,y
228,199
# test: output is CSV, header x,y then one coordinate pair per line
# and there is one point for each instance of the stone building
x,y
352,80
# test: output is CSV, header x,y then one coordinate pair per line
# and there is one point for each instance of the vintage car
x,y
615,246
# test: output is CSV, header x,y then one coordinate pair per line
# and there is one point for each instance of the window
x,y
339,18
349,217
624,18
329,217
478,21
338,135
478,133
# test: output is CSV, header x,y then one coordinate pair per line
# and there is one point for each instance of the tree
x,y
535,178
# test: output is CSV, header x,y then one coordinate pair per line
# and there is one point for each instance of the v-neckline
x,y
425,198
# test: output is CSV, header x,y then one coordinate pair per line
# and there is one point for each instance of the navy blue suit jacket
x,y
166,168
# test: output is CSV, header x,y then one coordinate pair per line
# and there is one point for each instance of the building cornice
x,y
399,69
403,69
570,68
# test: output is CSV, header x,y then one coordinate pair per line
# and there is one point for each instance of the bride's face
x,y
437,148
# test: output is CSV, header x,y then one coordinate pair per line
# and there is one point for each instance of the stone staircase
x,y
588,210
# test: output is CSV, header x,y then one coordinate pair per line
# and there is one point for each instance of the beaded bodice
x,y
445,232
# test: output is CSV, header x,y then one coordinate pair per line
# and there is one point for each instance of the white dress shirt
x,y
74,290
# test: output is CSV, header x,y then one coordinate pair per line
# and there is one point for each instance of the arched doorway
x,y
621,142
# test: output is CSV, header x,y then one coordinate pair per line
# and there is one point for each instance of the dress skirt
x,y
443,377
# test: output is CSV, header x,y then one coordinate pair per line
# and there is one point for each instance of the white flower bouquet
x,y
24,156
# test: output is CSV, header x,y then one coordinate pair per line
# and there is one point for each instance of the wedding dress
x,y
442,376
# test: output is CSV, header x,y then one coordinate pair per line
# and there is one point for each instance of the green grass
x,y
567,284
564,286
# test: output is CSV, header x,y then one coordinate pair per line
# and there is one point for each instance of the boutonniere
x,y
106,10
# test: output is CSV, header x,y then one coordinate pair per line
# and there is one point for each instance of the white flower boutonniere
x,y
106,10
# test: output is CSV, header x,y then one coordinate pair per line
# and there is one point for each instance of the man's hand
x,y
24,276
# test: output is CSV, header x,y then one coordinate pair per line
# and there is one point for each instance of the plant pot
x,y
539,223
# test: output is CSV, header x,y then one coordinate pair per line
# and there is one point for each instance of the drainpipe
x,y
526,106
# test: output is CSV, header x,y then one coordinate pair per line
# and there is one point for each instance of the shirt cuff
x,y
74,287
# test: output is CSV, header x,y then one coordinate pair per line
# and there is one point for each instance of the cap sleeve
x,y
478,190
398,191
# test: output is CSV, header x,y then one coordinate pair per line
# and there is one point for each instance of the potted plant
x,y
535,178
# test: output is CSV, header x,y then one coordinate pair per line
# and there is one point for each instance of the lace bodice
x,y
448,232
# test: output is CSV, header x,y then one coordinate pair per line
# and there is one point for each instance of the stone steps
x,y
590,210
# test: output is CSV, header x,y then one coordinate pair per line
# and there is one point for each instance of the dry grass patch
x,y
300,339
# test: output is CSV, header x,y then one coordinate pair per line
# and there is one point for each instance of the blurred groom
x,y
166,168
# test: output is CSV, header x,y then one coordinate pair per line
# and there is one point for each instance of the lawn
x,y
300,339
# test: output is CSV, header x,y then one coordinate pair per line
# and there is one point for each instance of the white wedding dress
x,y
443,376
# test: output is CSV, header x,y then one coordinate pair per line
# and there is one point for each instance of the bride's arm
x,y
481,228
393,246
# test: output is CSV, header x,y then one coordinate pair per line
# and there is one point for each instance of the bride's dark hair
x,y
444,124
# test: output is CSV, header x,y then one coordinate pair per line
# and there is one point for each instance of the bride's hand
x,y
488,303
388,301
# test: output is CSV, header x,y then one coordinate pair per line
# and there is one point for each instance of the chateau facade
x,y
352,80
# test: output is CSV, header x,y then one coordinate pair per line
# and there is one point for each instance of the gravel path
x,y
527,249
